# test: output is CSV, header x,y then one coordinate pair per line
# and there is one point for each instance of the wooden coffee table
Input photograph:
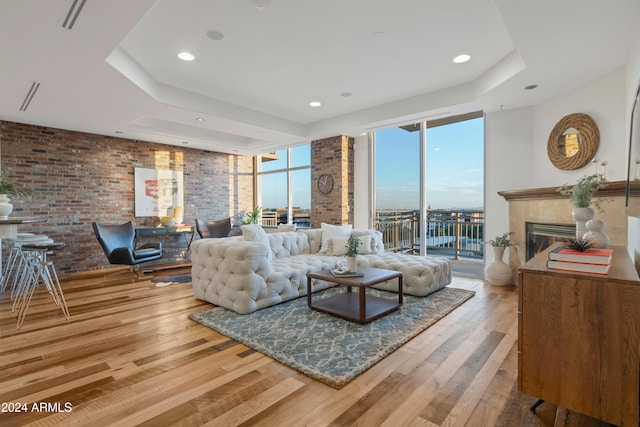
x,y
358,307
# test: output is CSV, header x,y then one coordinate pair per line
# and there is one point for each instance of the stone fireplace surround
x,y
546,205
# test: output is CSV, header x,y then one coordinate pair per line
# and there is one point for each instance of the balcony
x,y
457,234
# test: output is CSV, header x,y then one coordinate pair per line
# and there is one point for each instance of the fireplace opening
x,y
542,235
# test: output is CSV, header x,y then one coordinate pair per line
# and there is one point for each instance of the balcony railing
x,y
454,233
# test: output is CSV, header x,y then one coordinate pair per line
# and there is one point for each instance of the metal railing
x,y
454,233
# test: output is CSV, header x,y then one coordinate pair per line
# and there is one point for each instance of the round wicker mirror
x,y
573,142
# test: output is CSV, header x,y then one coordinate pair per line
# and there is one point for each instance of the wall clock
x,y
325,183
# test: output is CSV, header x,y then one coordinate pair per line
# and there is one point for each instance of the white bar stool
x,y
38,269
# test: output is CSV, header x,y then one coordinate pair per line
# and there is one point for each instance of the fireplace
x,y
542,235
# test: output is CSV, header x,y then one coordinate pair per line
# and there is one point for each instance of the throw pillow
x,y
338,245
255,233
286,227
329,231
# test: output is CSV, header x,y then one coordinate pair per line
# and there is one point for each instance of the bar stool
x,y
13,266
37,268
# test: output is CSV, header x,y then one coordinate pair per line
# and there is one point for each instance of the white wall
x,y
361,183
507,165
604,100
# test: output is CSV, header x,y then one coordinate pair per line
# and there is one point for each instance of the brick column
x,y
332,156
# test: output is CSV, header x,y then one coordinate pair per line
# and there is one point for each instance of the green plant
x,y
353,246
582,193
10,187
502,240
252,217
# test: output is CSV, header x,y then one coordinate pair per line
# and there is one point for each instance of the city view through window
x,y
454,187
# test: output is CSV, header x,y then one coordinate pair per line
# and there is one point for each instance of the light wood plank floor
x,y
130,356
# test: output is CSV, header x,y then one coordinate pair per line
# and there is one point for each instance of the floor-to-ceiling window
x,y
284,186
432,170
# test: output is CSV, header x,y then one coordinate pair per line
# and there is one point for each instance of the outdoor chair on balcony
x,y
118,242
220,228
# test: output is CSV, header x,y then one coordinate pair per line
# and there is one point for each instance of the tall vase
x,y
352,264
497,272
5,207
581,216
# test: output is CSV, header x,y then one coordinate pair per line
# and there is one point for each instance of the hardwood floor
x,y
130,356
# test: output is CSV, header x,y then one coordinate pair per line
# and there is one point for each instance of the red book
x,y
591,256
581,267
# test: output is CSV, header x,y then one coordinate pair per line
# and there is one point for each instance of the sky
x,y
455,169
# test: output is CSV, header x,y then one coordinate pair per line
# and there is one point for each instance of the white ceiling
x,y
116,70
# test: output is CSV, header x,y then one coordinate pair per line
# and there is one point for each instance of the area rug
x,y
326,348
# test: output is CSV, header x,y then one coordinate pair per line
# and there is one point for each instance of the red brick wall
x,y
80,178
333,156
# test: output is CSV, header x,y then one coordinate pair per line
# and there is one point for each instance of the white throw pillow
x,y
338,245
255,233
287,227
329,231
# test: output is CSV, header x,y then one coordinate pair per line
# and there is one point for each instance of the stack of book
x,y
590,261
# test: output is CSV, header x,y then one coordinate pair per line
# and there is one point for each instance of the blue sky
x,y
455,167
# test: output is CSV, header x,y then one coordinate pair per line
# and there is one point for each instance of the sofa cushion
x,y
329,231
338,245
255,233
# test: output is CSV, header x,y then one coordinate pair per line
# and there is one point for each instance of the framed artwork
x,y
157,192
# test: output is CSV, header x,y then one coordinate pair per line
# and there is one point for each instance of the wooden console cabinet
x,y
578,343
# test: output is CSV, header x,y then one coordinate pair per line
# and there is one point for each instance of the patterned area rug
x,y
172,279
326,348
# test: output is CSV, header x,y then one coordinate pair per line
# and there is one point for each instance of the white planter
x,y
352,264
581,216
5,207
497,272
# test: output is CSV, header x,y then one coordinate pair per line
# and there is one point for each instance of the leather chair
x,y
220,228
117,241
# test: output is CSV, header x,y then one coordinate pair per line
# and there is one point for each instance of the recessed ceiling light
x,y
199,119
345,94
530,87
186,56
215,35
261,4
315,103
461,58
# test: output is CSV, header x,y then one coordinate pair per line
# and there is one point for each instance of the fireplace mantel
x,y
546,205
613,189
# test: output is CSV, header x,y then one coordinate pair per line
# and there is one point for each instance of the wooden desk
x,y
578,340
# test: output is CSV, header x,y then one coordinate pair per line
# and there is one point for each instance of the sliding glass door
x,y
432,170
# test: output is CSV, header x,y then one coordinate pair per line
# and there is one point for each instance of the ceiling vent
x,y
30,95
72,15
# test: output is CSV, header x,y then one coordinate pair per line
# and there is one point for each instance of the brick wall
x,y
80,178
333,156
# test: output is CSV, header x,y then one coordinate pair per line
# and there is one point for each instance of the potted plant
x,y
9,187
497,272
253,216
353,249
581,195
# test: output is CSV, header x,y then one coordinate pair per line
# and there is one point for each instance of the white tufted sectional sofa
x,y
245,276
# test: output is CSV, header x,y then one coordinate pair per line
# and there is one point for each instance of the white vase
x,y
5,207
596,234
352,264
581,216
497,272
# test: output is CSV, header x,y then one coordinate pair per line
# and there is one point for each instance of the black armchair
x,y
117,241
220,228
